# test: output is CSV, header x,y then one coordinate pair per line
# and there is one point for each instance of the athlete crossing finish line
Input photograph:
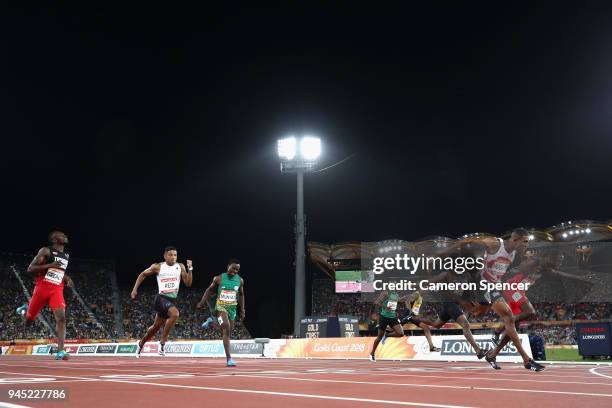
x,y
230,294
49,268
169,274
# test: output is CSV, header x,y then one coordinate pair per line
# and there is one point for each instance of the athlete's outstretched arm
x,y
209,291
152,270
68,281
378,302
38,264
241,300
186,273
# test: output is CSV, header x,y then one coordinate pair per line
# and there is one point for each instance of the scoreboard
x,y
349,326
321,326
313,327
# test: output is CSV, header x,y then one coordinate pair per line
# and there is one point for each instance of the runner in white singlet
x,y
169,274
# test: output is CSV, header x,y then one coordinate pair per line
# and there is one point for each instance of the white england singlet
x,y
497,264
169,279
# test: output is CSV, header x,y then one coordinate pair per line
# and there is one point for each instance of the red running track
x,y
196,382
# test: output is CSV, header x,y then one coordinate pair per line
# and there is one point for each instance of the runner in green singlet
x,y
229,287
387,301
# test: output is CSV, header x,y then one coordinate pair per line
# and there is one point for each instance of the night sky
x,y
132,129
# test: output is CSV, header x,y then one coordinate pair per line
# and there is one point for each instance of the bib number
x,y
55,276
500,268
169,286
391,305
227,296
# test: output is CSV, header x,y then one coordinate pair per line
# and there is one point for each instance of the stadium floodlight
x,y
299,161
287,148
565,235
588,230
310,148
299,155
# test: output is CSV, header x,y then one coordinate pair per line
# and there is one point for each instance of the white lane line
x,y
289,394
426,375
9,405
594,371
430,386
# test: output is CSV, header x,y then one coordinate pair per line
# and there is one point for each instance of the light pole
x,y
299,157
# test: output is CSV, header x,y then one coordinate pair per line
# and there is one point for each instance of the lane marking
x,y
289,394
431,386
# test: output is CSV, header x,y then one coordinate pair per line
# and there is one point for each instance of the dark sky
x,y
131,129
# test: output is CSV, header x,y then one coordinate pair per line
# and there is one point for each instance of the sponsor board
x,y
456,348
461,347
42,349
150,348
19,350
209,349
87,349
357,347
245,348
71,348
404,348
126,348
106,349
178,348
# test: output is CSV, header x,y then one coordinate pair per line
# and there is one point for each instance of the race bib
x,y
516,296
391,305
500,268
168,285
55,276
227,296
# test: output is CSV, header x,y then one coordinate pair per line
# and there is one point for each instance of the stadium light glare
x,y
588,230
565,235
287,148
531,237
310,148
571,232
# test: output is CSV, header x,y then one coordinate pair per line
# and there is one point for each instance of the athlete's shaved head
x,y
58,237
233,266
518,240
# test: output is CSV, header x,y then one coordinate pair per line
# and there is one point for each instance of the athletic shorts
x,y
383,322
516,302
162,304
230,310
490,297
52,295
449,311
410,318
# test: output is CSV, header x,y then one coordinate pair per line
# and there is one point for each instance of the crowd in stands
x,y
94,318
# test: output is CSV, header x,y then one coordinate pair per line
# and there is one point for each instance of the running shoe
x,y
207,323
372,358
138,350
493,363
384,338
533,366
231,362
161,351
434,349
22,310
62,355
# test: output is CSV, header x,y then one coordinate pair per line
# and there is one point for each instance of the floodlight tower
x,y
299,156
